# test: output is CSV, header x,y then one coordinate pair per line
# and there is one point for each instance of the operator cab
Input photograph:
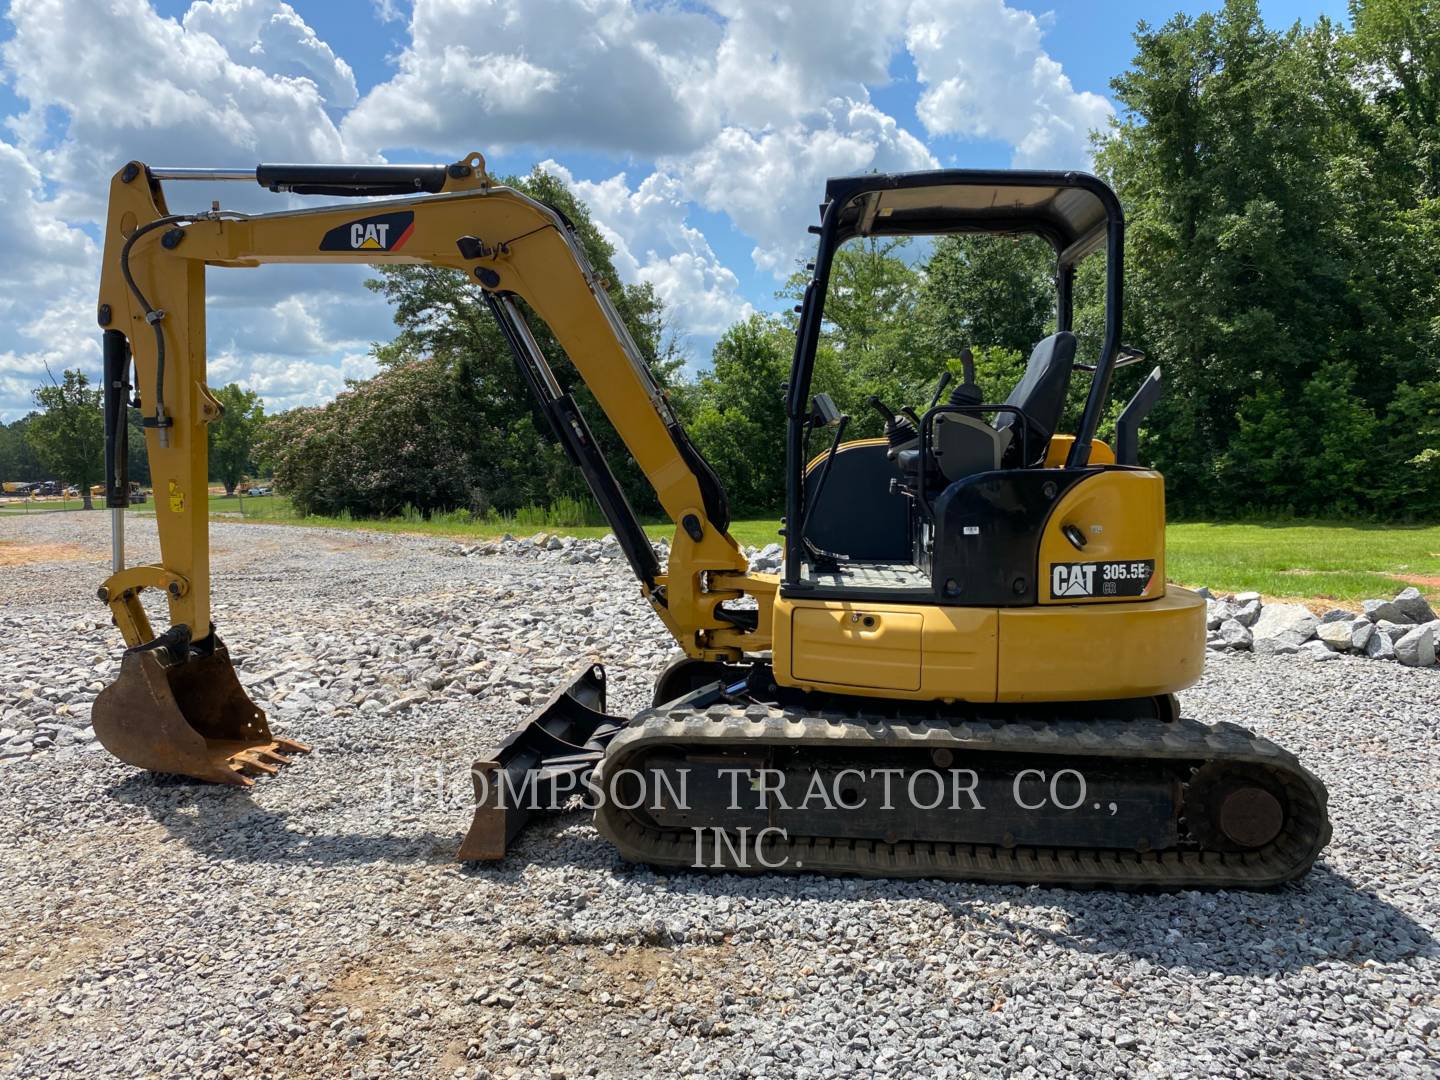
x,y
949,508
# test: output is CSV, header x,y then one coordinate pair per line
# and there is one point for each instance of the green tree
x,y
68,434
738,412
868,339
396,440
233,437
441,315
139,463
18,461
1282,195
984,291
1255,253
1396,44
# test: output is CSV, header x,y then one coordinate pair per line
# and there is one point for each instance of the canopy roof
x,y
1070,209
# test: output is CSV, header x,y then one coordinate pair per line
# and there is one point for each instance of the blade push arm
x,y
153,292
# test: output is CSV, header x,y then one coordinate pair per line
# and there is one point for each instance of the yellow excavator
x,y
966,668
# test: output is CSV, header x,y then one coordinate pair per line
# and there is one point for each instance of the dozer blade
x,y
190,717
541,764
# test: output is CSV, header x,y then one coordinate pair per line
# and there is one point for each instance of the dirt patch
x,y
1428,581
40,968
34,973
16,554
469,993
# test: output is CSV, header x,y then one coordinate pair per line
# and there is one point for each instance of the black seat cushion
x,y
1041,394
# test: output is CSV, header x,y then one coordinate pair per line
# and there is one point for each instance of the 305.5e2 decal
x,y
1082,580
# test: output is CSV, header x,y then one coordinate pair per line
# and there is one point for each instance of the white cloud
x,y
299,349
653,243
741,107
41,250
987,76
235,83
750,105
47,287
770,182
601,74
775,62
154,91
387,10
274,38
286,381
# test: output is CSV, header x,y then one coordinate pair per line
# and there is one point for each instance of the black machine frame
x,y
1092,218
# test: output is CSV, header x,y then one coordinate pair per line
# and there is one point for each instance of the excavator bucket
x,y
190,717
542,763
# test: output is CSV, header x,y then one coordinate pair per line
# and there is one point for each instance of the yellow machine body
x,y
1151,644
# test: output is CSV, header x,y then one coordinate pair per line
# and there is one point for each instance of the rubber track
x,y
745,726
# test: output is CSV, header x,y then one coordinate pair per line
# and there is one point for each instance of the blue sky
x,y
700,134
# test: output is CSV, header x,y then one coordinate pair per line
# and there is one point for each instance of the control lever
x,y
945,378
899,430
967,393
886,413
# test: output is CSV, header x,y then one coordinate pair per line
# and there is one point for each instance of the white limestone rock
x,y
1337,635
1291,624
1417,648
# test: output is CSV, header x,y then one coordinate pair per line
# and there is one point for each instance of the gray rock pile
x,y
1405,629
547,547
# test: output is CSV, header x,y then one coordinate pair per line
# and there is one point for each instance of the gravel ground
x,y
316,926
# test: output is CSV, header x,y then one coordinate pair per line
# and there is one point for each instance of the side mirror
x,y
1124,356
823,411
1128,354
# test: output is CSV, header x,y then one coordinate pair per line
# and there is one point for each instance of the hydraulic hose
x,y
154,315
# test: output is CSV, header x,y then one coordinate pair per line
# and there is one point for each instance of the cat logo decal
x,y
382,232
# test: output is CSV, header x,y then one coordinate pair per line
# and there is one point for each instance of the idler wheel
x,y
1234,808
1251,817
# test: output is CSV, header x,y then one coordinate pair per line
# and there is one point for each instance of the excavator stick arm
x,y
177,705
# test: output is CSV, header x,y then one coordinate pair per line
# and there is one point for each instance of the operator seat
x,y
966,445
1041,394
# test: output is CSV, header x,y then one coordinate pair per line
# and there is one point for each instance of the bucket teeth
x,y
249,763
265,759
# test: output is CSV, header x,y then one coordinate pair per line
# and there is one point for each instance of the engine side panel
x,y
1118,516
1066,652
1091,652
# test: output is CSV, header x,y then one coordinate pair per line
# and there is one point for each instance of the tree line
x,y
63,439
1282,193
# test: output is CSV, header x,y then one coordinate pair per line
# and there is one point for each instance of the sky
x,y
699,133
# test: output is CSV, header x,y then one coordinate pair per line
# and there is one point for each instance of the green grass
x,y
1311,559
1336,561
276,509
21,507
